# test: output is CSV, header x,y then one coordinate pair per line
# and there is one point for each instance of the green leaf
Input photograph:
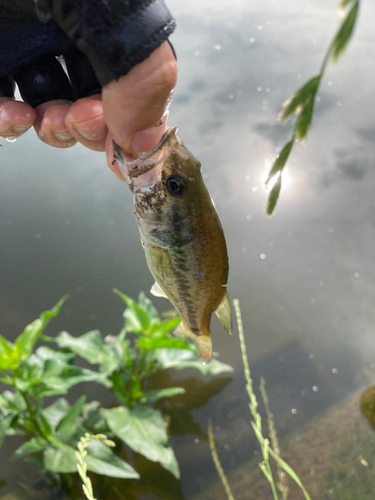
x,y
32,369
74,375
44,425
345,32
35,445
102,460
344,3
60,417
45,393
54,368
90,347
5,422
62,460
143,429
6,347
178,359
12,402
99,459
280,161
136,319
11,431
151,343
152,396
119,350
92,419
6,380
71,416
148,306
167,325
46,353
274,196
22,385
26,341
56,412
119,385
300,97
304,121
6,354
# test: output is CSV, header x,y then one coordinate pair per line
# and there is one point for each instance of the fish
x,y
181,235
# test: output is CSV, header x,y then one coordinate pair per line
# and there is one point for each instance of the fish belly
x,y
182,278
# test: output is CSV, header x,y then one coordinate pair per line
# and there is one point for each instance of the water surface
x,y
305,277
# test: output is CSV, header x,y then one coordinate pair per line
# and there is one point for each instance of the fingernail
x,y
92,130
21,129
62,135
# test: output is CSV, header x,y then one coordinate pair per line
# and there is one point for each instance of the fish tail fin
x,y
203,343
224,315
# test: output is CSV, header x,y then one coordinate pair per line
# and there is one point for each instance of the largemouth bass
x,y
182,237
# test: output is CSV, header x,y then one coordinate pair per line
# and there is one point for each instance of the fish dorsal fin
x,y
224,315
157,291
203,343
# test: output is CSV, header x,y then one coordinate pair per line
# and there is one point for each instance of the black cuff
x,y
113,51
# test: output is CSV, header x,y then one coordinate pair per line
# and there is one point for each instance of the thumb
x,y
135,105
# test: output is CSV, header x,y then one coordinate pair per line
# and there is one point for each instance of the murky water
x,y
305,277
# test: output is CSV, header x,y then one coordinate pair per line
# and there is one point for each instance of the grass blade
x,y
274,196
280,461
344,34
253,400
300,97
280,161
217,463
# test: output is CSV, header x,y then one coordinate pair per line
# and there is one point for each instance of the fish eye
x,y
176,185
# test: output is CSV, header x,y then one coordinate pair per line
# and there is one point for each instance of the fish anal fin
x,y
181,332
203,343
223,313
157,291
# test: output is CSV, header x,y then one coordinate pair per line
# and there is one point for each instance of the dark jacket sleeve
x,y
114,34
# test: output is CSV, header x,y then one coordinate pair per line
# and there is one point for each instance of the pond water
x,y
305,277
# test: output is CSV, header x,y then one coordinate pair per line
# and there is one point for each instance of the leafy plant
x,y
301,103
124,364
268,449
143,347
52,432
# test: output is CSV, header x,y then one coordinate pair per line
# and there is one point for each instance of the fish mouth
x,y
133,168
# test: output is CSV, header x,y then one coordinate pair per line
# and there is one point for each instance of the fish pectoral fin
x,y
224,315
157,291
203,343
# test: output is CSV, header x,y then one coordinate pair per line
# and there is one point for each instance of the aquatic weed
x,y
123,363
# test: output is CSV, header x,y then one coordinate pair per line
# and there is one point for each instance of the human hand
x,y
128,111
